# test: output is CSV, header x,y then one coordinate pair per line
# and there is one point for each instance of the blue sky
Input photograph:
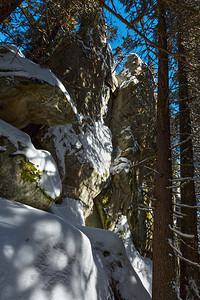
x,y
121,27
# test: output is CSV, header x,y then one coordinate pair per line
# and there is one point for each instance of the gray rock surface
x,y
24,101
85,65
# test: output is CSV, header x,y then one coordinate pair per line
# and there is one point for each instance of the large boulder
x,y
84,63
83,155
27,175
31,94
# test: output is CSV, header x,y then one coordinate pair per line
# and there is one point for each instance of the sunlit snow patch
x,y
70,210
110,258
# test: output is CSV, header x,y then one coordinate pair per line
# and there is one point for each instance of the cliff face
x,y
96,126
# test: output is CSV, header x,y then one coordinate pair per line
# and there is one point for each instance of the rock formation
x,y
132,127
27,175
83,156
101,132
29,93
84,63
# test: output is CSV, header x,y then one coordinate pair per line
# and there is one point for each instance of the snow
x,y
178,232
44,257
92,144
14,63
2,148
116,263
141,265
50,180
70,210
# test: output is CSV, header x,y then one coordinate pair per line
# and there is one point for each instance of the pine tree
x,y
163,258
189,262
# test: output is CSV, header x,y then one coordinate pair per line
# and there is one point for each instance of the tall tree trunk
x,y
189,274
163,258
7,7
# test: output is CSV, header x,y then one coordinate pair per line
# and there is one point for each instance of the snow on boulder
x,y
27,175
30,93
83,156
44,257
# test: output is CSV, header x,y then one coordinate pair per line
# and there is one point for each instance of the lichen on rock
x,y
26,174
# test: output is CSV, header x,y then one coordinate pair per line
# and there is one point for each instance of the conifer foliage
x,y
38,27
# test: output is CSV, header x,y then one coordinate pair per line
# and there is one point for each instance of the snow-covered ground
x,y
72,211
45,257
141,265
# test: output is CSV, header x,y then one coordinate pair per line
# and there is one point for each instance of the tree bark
x,y
7,7
163,258
189,274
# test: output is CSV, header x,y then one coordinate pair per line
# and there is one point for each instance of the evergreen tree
x,y
189,258
163,259
38,27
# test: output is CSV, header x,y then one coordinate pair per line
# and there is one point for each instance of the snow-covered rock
x,y
30,93
52,255
27,174
44,257
70,210
83,156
